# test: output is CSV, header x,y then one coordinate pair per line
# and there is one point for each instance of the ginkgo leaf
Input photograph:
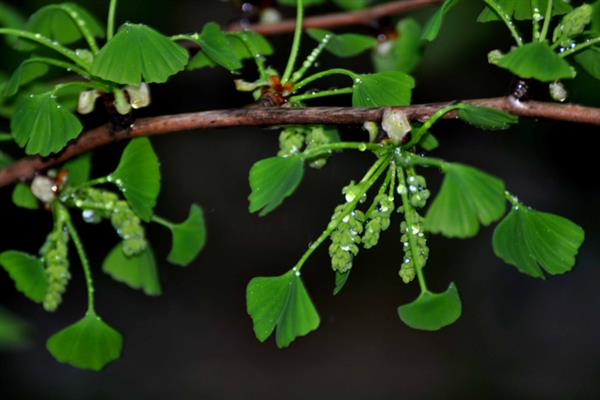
x,y
27,272
589,60
343,45
189,237
432,311
43,126
341,278
138,271
402,54
60,22
281,303
537,60
213,42
138,52
138,177
22,197
486,117
391,88
467,198
535,241
434,25
88,344
272,180
80,169
521,9
28,71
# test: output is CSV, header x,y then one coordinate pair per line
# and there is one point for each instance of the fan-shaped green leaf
x,y
402,54
521,9
216,46
341,278
467,198
432,311
281,302
28,71
43,126
22,197
138,52
138,177
272,180
138,271
344,45
88,344
434,25
189,238
61,22
538,61
486,117
532,240
28,273
391,88
589,60
80,170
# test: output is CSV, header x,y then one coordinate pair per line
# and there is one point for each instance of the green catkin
x,y
291,141
55,257
345,239
295,139
319,135
379,220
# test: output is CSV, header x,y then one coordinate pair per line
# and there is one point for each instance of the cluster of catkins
x,y
54,254
97,204
296,138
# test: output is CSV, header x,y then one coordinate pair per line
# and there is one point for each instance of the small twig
x,y
27,167
336,20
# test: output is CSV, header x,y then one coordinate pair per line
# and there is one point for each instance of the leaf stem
x,y
310,60
367,182
296,43
161,221
507,19
322,74
412,159
60,64
81,25
331,147
579,47
258,58
43,40
547,19
82,256
320,93
430,122
110,25
409,214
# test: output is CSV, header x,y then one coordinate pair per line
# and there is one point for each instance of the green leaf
x,y
281,302
434,25
521,9
80,169
138,52
272,180
432,311
572,25
344,45
14,332
5,159
215,45
55,22
403,54
341,278
43,126
486,117
532,240
10,17
589,59
138,271
189,238
28,273
391,88
88,344
538,61
22,197
467,198
28,71
138,177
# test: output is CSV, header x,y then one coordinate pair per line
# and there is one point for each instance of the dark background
x,y
518,337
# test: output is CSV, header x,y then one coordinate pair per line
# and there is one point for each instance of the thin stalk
x,y
409,214
87,270
161,221
296,43
60,64
507,19
110,25
81,84
368,181
44,41
387,184
329,148
320,93
579,47
414,159
93,182
81,25
310,60
430,122
258,58
323,74
547,19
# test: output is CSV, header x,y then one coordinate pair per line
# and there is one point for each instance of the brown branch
x,y
27,167
336,20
